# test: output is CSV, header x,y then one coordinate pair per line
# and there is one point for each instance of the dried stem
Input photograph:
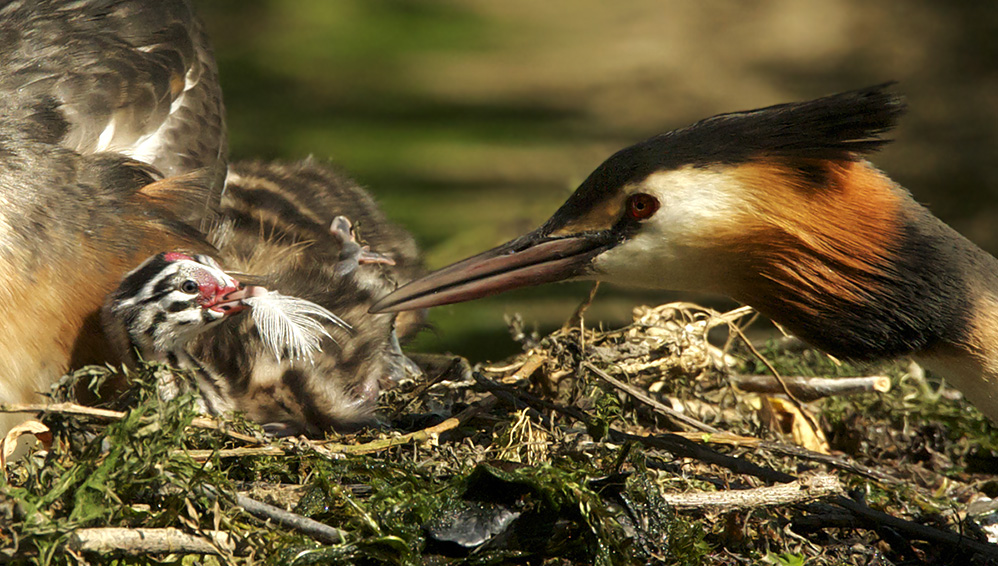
x,y
330,449
812,388
677,418
84,411
141,541
816,487
776,375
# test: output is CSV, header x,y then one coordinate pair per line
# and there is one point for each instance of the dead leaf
x,y
785,418
9,444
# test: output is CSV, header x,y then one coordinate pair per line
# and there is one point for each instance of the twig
x,y
151,541
317,531
213,424
424,387
794,451
879,519
812,388
576,320
669,413
82,410
816,487
687,448
329,450
776,375
824,516
63,408
505,368
723,438
205,455
314,529
532,364
427,434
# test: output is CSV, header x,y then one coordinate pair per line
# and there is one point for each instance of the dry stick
x,y
424,435
327,449
668,412
213,424
140,541
505,368
797,402
576,320
681,446
205,455
62,408
794,451
718,437
812,388
418,392
816,487
81,410
314,529
532,364
880,519
825,516
317,531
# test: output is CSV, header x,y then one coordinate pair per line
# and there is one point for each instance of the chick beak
x,y
532,259
229,300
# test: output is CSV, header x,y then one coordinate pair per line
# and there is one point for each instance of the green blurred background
x,y
471,121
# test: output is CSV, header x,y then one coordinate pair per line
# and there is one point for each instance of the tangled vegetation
x,y
635,445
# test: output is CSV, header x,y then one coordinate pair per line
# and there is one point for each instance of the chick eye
x,y
641,206
189,286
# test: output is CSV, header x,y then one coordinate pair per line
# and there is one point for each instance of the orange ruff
x,y
813,230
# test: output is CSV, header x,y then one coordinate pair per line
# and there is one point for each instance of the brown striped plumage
x,y
275,224
112,149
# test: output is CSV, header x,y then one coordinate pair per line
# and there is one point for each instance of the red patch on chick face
x,y
212,291
212,286
209,288
177,256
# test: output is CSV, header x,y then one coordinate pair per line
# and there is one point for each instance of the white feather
x,y
292,325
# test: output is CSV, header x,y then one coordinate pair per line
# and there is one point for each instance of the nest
x,y
671,440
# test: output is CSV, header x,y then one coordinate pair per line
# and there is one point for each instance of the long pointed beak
x,y
230,300
529,260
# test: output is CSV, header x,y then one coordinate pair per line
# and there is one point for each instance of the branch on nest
x,y
812,388
266,512
107,414
330,449
141,541
816,487
677,418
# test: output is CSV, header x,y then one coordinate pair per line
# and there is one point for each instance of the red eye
x,y
641,206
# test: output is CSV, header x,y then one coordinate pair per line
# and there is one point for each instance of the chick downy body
x,y
294,227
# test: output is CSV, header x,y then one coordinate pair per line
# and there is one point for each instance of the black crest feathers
x,y
839,127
